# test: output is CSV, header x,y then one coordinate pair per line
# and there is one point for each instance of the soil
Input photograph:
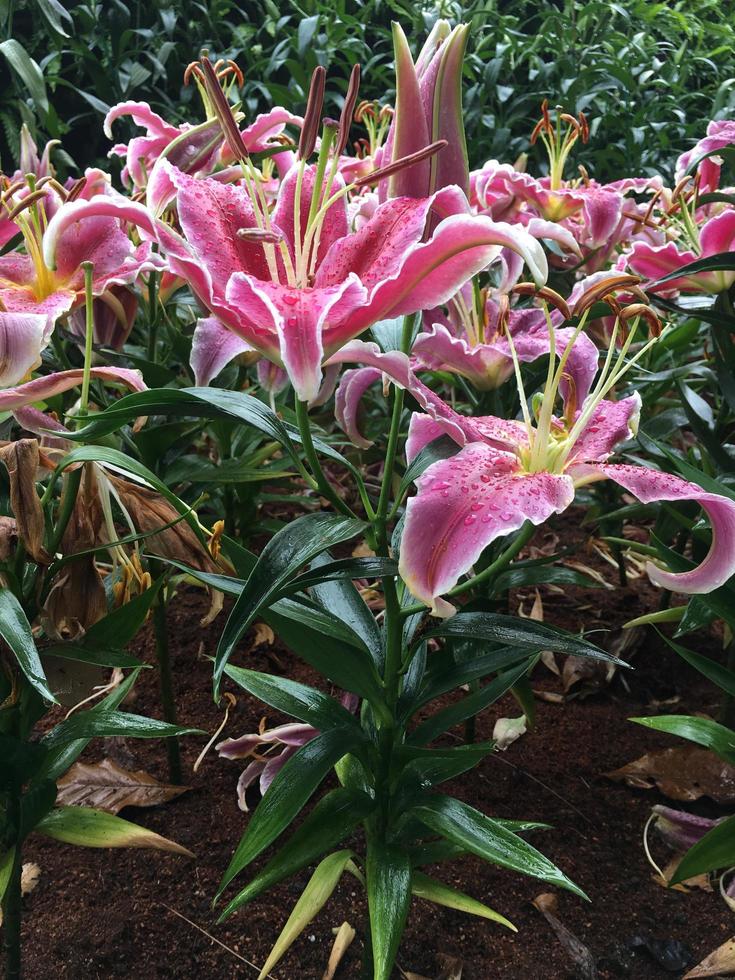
x,y
144,914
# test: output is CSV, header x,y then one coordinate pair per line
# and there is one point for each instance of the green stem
x,y
323,484
168,701
88,337
152,316
12,919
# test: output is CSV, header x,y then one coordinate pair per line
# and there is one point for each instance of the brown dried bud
x,y
21,460
8,538
77,599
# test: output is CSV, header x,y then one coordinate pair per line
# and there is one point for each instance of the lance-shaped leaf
x,y
488,839
388,877
86,827
92,724
16,631
321,885
715,850
703,731
331,820
282,558
423,886
522,633
295,699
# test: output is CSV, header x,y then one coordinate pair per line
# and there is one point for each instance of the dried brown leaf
x,y
106,786
720,963
263,635
682,773
580,955
342,942
29,876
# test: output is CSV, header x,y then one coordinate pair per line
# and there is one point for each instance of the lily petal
x,y
22,338
462,505
41,389
719,564
213,346
353,385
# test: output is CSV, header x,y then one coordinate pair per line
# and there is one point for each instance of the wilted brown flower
x,y
21,461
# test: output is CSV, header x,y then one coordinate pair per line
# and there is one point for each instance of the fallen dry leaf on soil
x,y
508,730
578,953
106,786
342,940
263,634
721,963
29,875
698,881
682,773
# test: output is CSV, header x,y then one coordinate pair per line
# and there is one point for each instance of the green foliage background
x,y
649,75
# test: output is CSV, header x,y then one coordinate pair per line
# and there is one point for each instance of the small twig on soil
x,y
215,940
535,779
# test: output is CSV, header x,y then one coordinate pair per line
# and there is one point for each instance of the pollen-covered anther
x,y
584,127
261,236
545,293
644,312
223,111
401,164
312,116
26,203
365,110
600,290
348,110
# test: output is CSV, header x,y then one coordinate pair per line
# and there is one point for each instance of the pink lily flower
x,y
655,261
719,135
479,344
260,747
266,764
509,472
202,152
301,288
428,108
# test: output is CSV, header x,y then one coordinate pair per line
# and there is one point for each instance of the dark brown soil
x,y
100,914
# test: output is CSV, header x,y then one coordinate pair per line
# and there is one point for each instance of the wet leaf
x,y
682,773
107,786
580,955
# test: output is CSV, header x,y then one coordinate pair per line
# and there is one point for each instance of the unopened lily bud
x,y
21,459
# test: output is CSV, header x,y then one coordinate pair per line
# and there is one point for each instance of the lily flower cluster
x,y
294,249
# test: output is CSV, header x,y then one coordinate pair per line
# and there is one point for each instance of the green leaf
x,y
86,827
321,885
344,601
59,759
469,706
457,674
513,578
331,820
488,839
435,891
522,633
432,766
16,631
120,626
93,724
6,869
700,730
295,699
715,672
27,70
715,850
281,559
388,873
35,803
54,12
437,449
287,794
